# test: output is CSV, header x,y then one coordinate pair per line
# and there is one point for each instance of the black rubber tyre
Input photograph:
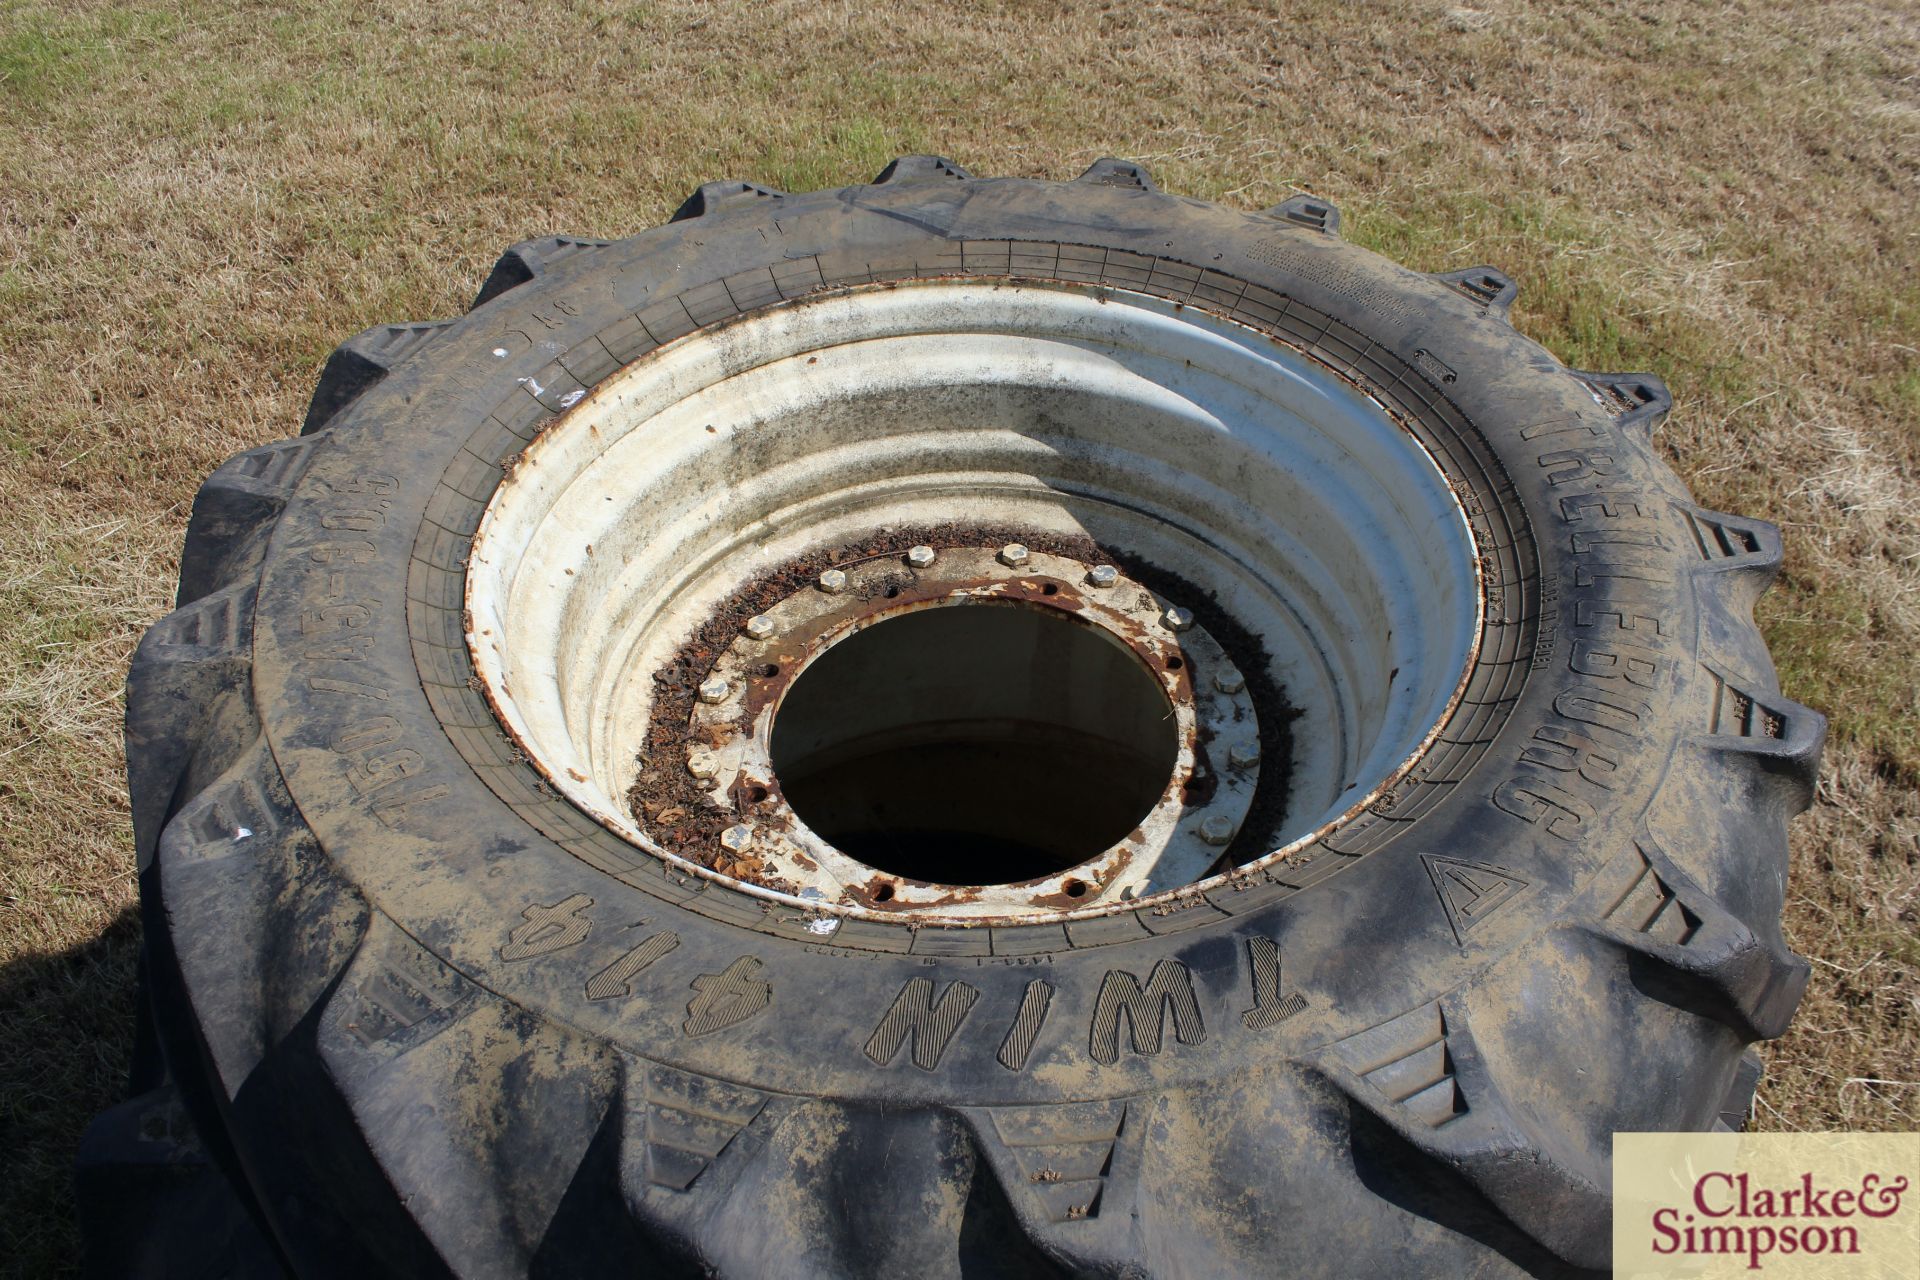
x,y
373,933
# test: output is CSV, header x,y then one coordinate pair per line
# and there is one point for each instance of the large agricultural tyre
x,y
948,727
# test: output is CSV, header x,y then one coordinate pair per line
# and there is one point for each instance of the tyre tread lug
x,y
528,260
1460,1121
1108,171
1493,289
919,169
1751,984
189,673
1635,400
362,361
232,513
1311,212
718,197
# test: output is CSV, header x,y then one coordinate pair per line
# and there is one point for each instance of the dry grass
x,y
199,202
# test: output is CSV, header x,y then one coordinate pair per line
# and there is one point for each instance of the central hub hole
x,y
978,743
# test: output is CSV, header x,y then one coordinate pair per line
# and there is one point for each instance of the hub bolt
x,y
1244,756
737,838
715,690
1216,830
761,627
920,557
1174,618
833,582
701,765
1103,575
1013,555
1229,681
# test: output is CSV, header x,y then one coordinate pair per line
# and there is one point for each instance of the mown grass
x,y
201,200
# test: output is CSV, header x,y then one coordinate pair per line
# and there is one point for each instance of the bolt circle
x,y
1216,830
790,633
1174,618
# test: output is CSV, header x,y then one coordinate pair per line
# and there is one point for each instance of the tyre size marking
x,y
549,929
352,688
1470,891
1168,991
354,520
617,978
1270,1008
338,632
350,648
1034,1002
726,999
335,634
915,1015
375,765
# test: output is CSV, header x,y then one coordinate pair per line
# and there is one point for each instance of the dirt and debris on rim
x,y
674,808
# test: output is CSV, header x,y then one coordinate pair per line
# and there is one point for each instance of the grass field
x,y
197,202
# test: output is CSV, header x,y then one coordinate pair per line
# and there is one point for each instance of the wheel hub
x,y
954,733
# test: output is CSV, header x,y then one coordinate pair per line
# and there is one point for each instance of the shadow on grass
x,y
66,1038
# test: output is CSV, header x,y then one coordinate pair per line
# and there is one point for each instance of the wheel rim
x,y
1255,476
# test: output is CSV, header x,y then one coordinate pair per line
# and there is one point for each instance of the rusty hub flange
x,y
1206,797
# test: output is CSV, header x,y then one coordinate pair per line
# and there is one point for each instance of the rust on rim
x,y
1162,847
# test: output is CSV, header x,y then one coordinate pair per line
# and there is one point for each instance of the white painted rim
x,y
1206,448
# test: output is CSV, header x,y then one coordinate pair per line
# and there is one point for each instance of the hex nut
x,y
1244,756
1216,830
920,557
1013,555
833,582
1229,681
761,627
1103,575
1174,618
737,838
715,690
701,765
